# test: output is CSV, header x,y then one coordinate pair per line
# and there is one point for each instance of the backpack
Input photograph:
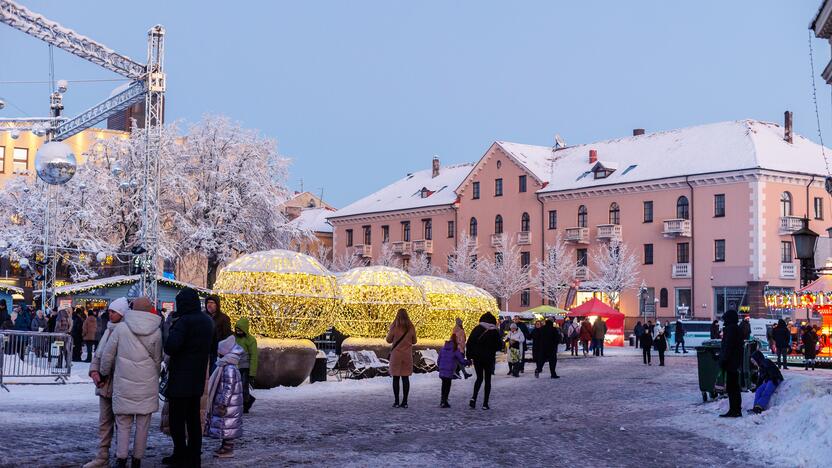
x,y
574,332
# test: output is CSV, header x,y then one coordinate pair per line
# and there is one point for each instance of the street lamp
x,y
804,245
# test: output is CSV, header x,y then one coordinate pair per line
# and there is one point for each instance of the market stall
x,y
816,299
595,309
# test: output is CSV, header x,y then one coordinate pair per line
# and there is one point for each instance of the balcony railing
x,y
790,224
524,238
788,271
362,250
581,273
578,235
676,228
401,248
497,240
609,232
681,270
425,246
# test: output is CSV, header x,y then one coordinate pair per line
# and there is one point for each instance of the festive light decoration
x,y
797,300
479,302
114,282
446,301
284,294
371,297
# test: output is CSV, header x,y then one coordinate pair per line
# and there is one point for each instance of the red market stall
x,y
595,308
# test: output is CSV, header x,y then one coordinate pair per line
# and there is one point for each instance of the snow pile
x,y
792,432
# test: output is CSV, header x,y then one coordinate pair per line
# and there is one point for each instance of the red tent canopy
x,y
595,307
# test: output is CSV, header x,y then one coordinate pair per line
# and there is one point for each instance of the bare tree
x,y
345,262
386,257
504,276
616,270
556,273
462,265
420,265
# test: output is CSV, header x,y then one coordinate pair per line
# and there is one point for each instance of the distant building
x,y
822,26
307,212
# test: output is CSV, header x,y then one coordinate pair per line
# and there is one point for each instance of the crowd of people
x,y
787,338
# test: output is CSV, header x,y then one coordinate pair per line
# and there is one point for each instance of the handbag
x,y
163,383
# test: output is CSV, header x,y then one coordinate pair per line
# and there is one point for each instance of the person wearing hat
x,y
104,387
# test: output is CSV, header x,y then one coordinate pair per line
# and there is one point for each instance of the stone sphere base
x,y
283,362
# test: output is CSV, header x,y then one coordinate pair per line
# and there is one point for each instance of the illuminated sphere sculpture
x,y
371,297
446,301
55,163
479,302
284,294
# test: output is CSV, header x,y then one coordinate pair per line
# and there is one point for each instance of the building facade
x,y
708,210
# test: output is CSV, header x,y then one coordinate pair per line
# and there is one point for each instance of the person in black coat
x,y
646,342
188,344
781,343
222,326
481,348
547,341
730,360
660,343
77,333
637,331
680,336
745,329
715,330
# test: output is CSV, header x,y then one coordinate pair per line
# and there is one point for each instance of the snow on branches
x,y
462,264
616,270
419,265
504,276
556,273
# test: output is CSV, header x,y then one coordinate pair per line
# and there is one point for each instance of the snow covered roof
x,y
7,288
537,159
717,147
277,261
313,219
117,280
406,193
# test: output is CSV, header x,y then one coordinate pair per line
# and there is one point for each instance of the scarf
x,y
488,326
215,379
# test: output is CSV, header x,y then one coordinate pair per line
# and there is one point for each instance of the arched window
x,y
682,208
498,225
785,204
472,227
663,297
615,214
525,223
582,216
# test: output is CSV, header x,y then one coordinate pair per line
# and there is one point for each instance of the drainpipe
x,y
692,252
806,215
542,239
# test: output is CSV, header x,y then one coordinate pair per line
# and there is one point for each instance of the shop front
x,y
97,294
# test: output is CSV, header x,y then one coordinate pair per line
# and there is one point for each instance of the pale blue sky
x,y
360,93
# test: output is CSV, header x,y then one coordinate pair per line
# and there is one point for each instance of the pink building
x,y
708,209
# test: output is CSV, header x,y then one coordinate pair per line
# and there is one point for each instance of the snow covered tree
x,y
556,273
504,276
386,257
462,265
615,271
420,265
227,201
345,262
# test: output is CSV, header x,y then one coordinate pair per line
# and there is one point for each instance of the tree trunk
x,y
213,266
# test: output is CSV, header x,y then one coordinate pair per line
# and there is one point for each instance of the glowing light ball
x,y
479,302
446,301
55,163
371,297
284,294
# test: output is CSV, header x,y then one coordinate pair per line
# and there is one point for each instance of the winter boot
x,y
225,451
472,403
444,404
247,405
99,462
121,463
136,463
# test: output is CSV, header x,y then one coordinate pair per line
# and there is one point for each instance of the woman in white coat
x,y
133,357
515,340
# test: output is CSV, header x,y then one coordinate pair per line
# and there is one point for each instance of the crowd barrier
x,y
33,355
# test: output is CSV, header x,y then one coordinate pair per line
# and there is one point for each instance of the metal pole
x,y
44,273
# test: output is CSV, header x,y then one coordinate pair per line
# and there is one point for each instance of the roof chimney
x,y
638,131
593,156
787,127
435,166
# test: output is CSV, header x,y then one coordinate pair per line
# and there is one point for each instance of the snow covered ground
x,y
611,411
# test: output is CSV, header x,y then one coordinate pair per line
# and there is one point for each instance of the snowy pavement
x,y
610,411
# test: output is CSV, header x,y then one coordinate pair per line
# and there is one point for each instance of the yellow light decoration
x,y
371,297
479,302
446,302
284,294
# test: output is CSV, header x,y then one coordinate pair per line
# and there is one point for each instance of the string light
x,y
479,302
284,294
446,301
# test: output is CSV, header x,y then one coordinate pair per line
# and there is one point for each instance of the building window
x,y
683,252
2,159
719,205
406,231
473,261
451,229
385,234
498,258
553,219
368,240
20,160
349,237
648,254
785,204
648,211
582,216
525,297
451,261
730,298
786,252
615,213
647,302
719,250
663,297
682,208
522,183
499,164
818,208
581,256
475,187
427,227
498,187
525,223
525,259
472,227
498,225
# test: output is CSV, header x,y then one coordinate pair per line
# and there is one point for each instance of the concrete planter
x,y
285,362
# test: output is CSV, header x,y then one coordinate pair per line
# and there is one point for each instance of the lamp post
x,y
805,241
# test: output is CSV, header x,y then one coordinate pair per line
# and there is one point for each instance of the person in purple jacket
x,y
449,357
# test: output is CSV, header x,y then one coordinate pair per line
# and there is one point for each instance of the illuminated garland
x,y
479,302
797,300
284,294
371,297
446,302
80,288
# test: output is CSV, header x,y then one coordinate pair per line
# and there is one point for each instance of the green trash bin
x,y
707,357
749,373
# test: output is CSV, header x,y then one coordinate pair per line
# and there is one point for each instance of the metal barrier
x,y
35,354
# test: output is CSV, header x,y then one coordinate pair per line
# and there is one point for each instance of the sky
x,y
358,94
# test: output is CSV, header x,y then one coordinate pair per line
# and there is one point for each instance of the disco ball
x,y
24,263
55,163
100,257
39,129
15,134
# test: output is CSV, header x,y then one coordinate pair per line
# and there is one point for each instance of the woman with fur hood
x,y
225,392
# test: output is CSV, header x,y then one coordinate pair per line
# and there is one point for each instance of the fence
x,y
35,355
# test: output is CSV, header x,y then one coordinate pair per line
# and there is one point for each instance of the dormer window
x,y
424,193
602,170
